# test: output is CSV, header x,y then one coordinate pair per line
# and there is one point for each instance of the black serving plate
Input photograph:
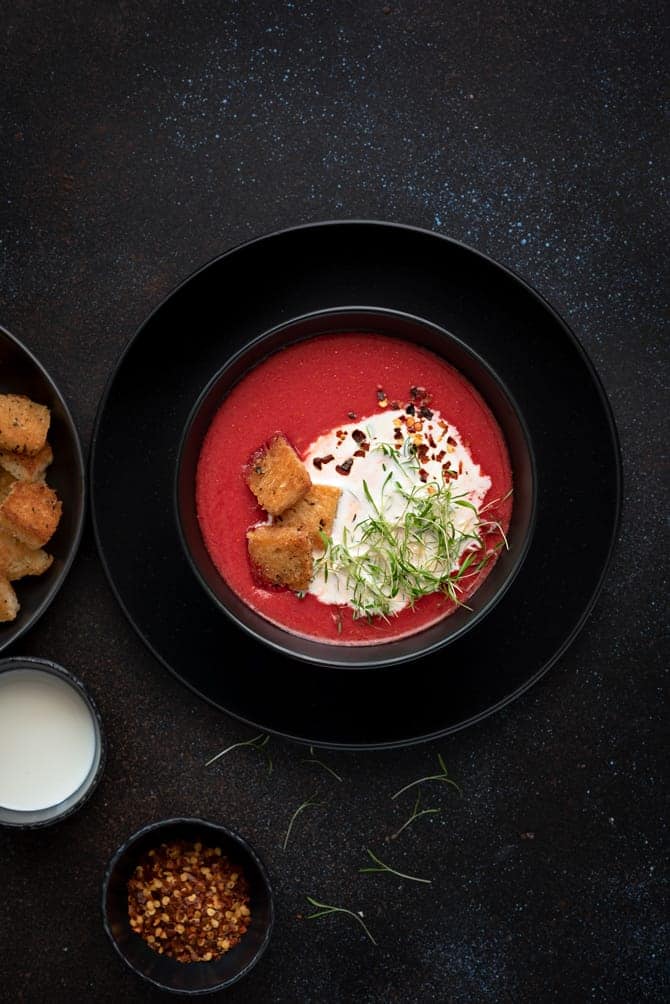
x,y
264,283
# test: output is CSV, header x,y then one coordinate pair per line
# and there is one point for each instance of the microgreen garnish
x,y
320,763
381,867
325,909
258,743
443,776
415,541
309,803
416,814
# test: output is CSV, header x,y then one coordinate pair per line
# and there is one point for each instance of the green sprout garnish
x,y
258,743
418,549
443,776
381,867
416,814
324,909
312,759
301,808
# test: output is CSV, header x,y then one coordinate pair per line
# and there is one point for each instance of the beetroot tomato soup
x,y
409,443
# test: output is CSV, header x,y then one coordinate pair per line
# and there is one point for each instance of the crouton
x,y
314,513
30,512
24,424
17,560
9,604
6,482
26,466
282,556
277,476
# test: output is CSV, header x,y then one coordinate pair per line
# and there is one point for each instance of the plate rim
x,y
613,438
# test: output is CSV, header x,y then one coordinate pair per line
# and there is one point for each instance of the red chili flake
x,y
460,466
345,466
317,463
431,440
440,456
426,412
358,435
410,409
423,475
397,434
351,414
451,441
381,395
359,453
365,447
418,393
395,405
327,460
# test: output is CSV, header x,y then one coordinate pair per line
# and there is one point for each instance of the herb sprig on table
x,y
258,743
377,866
324,909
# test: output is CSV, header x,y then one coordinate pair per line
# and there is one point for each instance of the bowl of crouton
x,y
42,489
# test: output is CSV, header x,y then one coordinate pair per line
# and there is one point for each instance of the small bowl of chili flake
x,y
187,904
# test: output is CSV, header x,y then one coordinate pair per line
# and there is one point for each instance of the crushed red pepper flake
x,y
188,901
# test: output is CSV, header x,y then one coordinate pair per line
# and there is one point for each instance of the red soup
x,y
354,488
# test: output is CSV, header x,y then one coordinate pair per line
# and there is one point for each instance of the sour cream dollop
x,y
378,460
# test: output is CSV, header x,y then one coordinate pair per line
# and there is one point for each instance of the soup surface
x,y
423,471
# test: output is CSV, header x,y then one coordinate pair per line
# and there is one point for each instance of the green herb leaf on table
x,y
443,776
382,867
309,803
313,760
416,814
258,743
325,909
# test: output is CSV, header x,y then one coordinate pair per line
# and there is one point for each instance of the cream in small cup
x,y
51,743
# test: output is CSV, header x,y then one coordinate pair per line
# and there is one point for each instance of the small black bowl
x,y
22,373
398,325
188,978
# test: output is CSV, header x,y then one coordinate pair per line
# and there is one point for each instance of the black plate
x,y
265,283
22,373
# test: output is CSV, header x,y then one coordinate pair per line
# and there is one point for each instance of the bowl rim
x,y
382,661
52,668
247,848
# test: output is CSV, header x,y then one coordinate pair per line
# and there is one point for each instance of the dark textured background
x,y
140,140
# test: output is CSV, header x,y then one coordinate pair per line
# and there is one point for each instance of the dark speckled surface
x,y
140,140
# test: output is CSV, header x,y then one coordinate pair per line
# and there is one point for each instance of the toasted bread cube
x,y
282,556
9,604
17,560
314,513
277,476
30,512
26,466
24,424
6,482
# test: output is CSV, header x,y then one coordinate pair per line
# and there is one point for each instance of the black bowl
x,y
21,373
499,400
192,978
